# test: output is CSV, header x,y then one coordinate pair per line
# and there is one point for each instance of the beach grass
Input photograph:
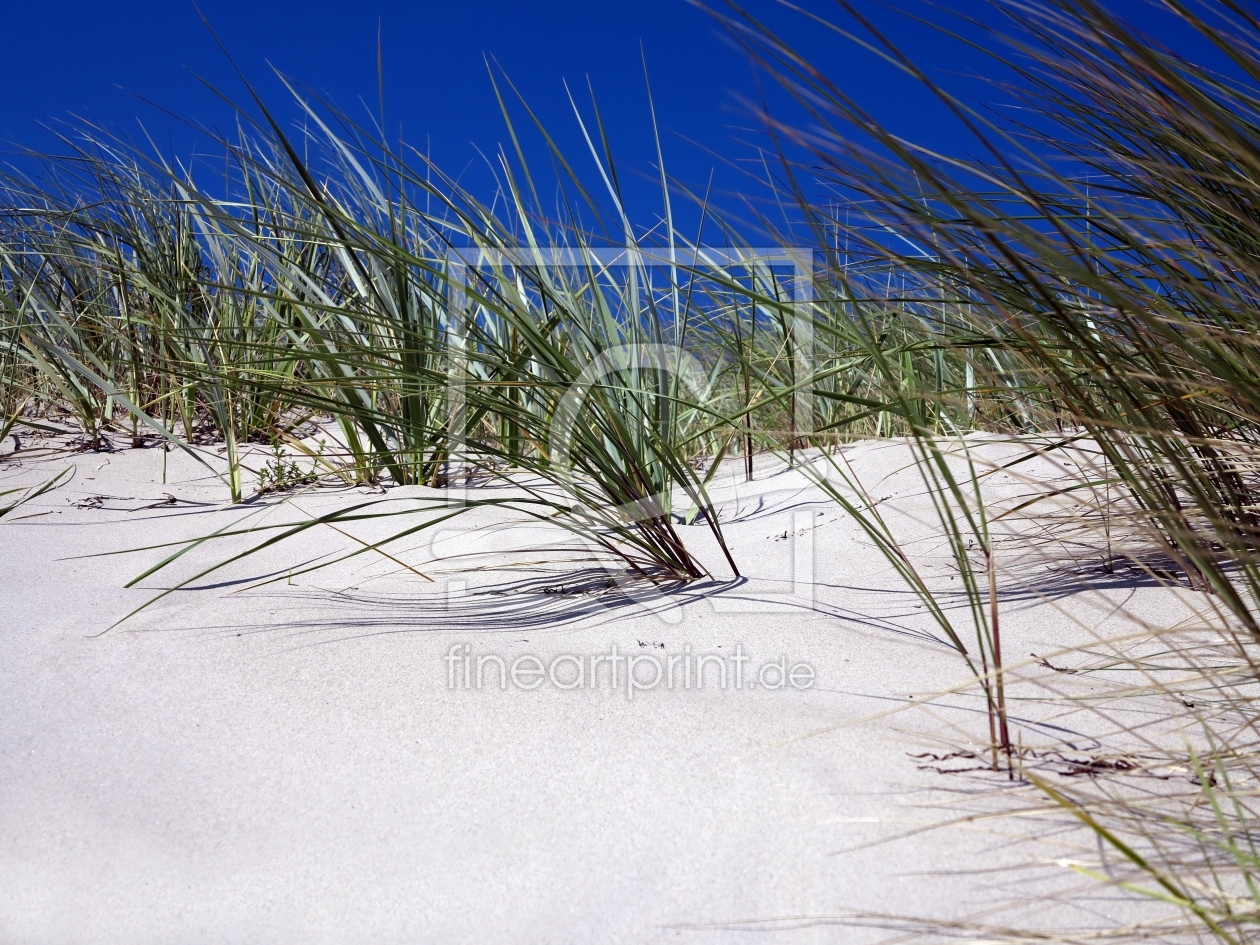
x,y
1090,285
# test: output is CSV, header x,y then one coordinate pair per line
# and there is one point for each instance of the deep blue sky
x,y
79,56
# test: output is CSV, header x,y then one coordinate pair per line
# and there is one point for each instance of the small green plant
x,y
281,474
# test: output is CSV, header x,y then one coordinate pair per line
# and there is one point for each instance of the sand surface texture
x,y
289,763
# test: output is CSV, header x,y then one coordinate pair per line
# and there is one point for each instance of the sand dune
x,y
291,763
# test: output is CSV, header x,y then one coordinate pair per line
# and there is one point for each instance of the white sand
x,y
288,764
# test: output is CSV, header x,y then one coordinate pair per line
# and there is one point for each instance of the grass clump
x,y
1089,286
1093,274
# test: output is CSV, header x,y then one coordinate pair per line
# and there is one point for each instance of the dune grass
x,y
1095,272
1090,285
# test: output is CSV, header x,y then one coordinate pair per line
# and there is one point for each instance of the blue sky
x,y
72,56
93,59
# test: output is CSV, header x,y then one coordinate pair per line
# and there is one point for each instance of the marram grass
x,y
1090,284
